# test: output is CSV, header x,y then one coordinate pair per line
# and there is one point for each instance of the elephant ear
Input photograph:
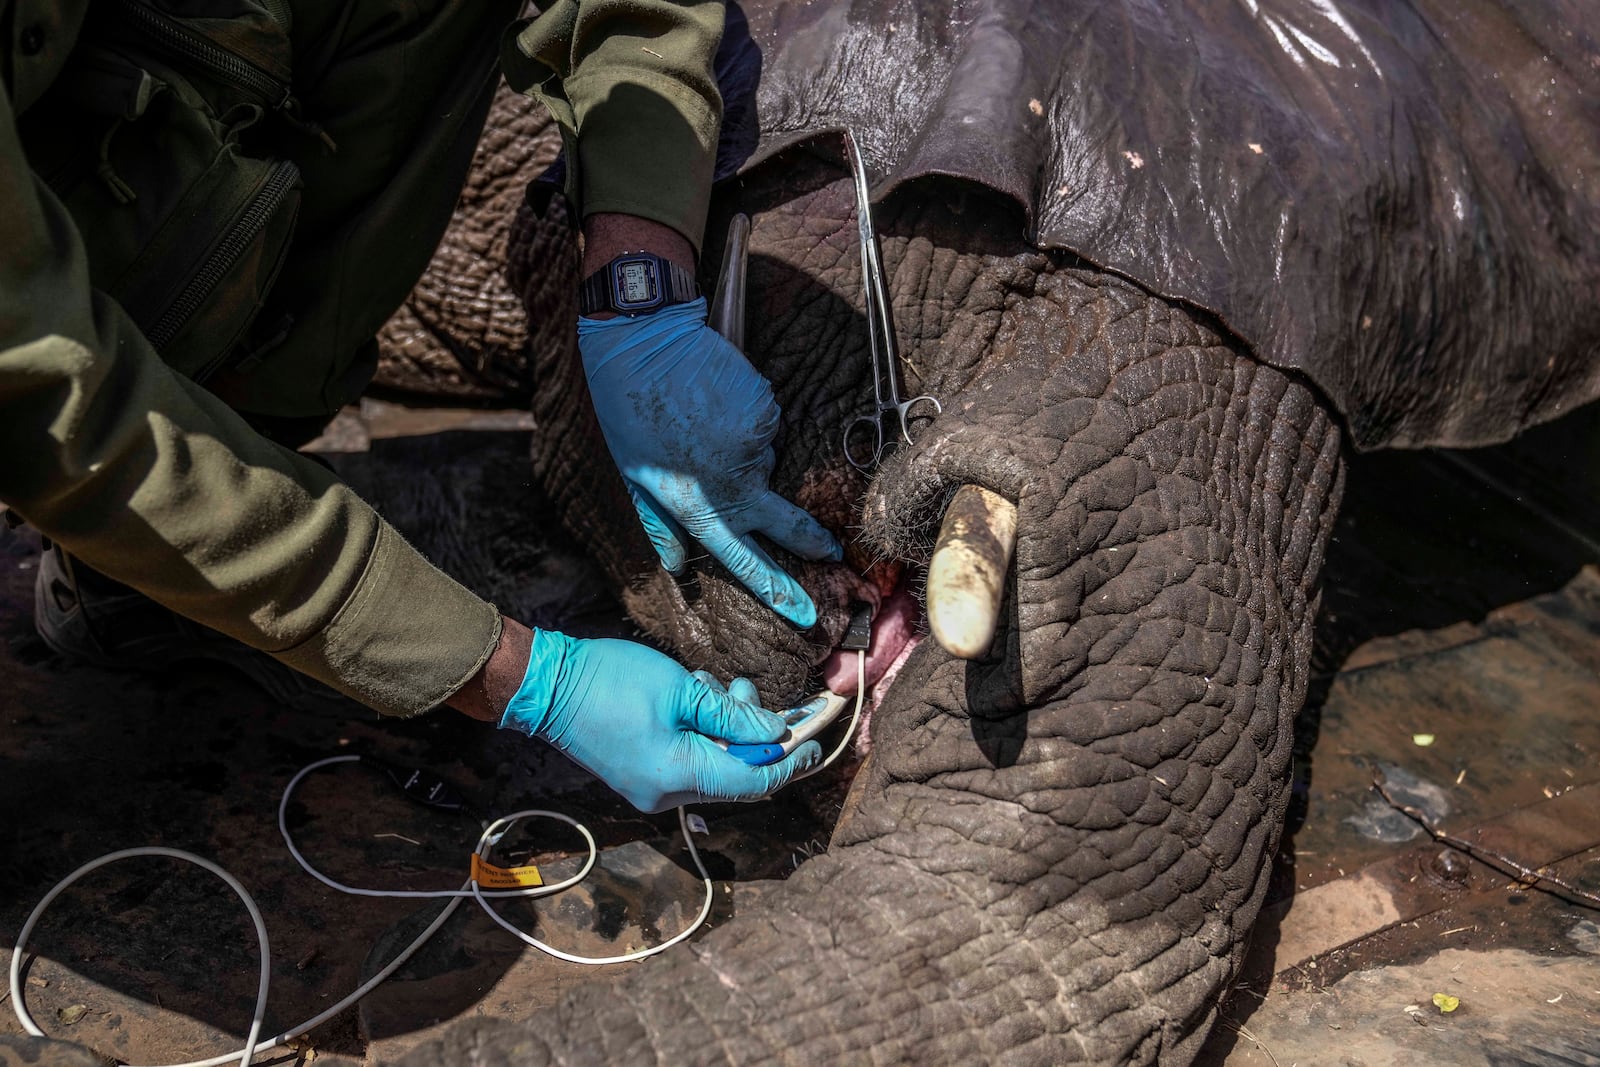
x,y
1394,210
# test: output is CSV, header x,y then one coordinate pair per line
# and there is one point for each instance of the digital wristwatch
x,y
636,283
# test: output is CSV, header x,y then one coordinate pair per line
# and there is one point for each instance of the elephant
x,y
1164,266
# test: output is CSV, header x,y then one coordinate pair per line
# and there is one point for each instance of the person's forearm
x,y
146,477
485,697
607,236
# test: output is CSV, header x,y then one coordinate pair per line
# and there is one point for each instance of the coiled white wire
x,y
18,949
486,840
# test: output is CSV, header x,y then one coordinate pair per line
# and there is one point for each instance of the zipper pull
x,y
120,190
289,109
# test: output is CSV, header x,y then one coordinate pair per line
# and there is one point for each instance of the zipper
x,y
219,62
263,205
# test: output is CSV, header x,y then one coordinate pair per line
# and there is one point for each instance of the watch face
x,y
636,283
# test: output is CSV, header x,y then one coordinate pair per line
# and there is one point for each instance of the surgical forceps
x,y
880,328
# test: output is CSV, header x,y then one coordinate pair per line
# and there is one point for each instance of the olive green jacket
x,y
148,478
636,78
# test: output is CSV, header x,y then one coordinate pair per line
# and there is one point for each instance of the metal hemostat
x,y
880,329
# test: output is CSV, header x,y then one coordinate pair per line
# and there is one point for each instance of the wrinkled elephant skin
x,y
1056,852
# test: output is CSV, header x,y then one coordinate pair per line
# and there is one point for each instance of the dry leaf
x,y
1445,1002
72,1014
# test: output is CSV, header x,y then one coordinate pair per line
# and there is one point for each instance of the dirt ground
x,y
1458,660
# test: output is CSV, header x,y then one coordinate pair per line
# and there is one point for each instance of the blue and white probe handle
x,y
805,722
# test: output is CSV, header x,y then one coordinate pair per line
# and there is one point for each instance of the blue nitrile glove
x,y
643,725
690,424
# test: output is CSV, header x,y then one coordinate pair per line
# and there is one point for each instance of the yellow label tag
x,y
489,876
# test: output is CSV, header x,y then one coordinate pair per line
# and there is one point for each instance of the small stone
x,y
1451,866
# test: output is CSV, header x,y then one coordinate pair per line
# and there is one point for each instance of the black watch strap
x,y
636,283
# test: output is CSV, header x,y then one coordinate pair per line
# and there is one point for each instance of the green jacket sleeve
x,y
633,86
150,479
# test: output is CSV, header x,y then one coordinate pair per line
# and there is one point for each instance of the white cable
x,y
18,949
705,909
855,718
491,834
425,894
486,840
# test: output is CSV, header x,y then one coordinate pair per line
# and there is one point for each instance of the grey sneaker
x,y
85,616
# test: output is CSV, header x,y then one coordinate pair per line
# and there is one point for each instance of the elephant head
x,y
1056,849
1156,296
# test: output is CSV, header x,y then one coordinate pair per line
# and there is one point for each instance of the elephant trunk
x,y
1056,850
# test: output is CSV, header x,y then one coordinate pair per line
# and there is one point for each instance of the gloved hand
x,y
690,424
642,724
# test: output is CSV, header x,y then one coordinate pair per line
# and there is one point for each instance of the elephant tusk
x,y
967,576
